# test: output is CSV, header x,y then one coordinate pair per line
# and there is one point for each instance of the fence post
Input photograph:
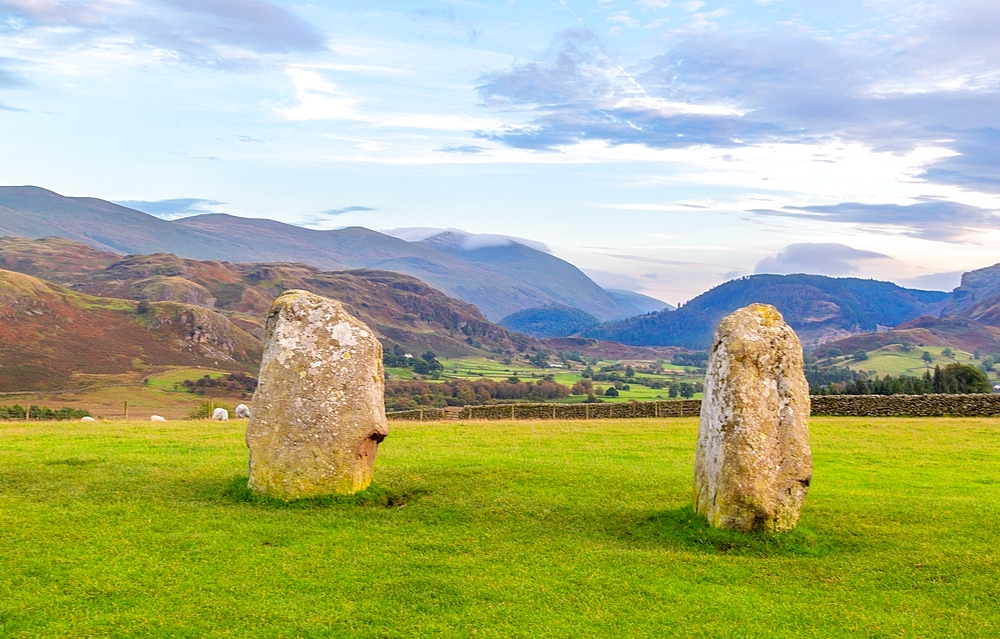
x,y
587,410
421,413
511,412
680,408
656,408
126,411
553,411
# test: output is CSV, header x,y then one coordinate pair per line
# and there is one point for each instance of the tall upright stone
x,y
753,465
318,412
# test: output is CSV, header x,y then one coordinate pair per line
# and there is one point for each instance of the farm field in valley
x,y
897,359
477,368
527,529
161,394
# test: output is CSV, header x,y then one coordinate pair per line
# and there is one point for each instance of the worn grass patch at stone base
x,y
687,530
495,529
374,495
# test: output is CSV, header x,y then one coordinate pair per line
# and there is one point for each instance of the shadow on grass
x,y
685,528
374,496
73,461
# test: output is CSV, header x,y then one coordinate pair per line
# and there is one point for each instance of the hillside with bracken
x,y
52,337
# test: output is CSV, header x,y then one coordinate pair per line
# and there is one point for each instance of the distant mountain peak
x,y
462,240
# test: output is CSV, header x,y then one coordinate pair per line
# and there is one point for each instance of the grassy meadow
x,y
897,359
159,392
471,368
527,529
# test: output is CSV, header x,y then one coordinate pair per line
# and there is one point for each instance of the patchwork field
x,y
897,359
533,529
474,368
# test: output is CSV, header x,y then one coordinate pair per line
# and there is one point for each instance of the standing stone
x,y
753,464
318,410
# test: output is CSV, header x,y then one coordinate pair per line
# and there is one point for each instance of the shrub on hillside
x,y
234,383
205,410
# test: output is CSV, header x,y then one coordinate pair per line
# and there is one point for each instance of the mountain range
x,y
526,289
499,278
70,313
819,308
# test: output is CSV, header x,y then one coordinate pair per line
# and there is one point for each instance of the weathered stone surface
x,y
753,465
318,412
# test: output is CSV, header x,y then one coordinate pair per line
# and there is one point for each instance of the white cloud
x,y
653,4
318,99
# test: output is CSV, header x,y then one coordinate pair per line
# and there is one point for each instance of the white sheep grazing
x,y
242,411
220,415
157,418
86,418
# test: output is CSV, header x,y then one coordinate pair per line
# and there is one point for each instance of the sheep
x,y
157,418
221,415
242,411
86,418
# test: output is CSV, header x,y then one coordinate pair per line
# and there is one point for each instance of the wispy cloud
x,y
934,81
462,148
173,209
817,258
347,209
329,218
225,33
942,221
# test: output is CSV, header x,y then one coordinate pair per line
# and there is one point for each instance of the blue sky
x,y
662,146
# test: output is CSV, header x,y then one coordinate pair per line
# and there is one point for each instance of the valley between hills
x,y
91,320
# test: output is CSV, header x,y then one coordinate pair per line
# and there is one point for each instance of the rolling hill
x,y
102,314
819,308
499,280
52,337
557,320
401,309
956,332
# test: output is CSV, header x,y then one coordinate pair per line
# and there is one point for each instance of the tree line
x,y
409,394
952,379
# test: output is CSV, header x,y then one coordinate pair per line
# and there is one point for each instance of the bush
x,y
611,392
236,383
205,410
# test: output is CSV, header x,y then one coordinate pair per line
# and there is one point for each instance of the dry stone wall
x,y
418,415
680,408
973,405
979,405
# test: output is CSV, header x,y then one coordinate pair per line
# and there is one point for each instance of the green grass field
x,y
172,380
895,360
531,529
476,368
